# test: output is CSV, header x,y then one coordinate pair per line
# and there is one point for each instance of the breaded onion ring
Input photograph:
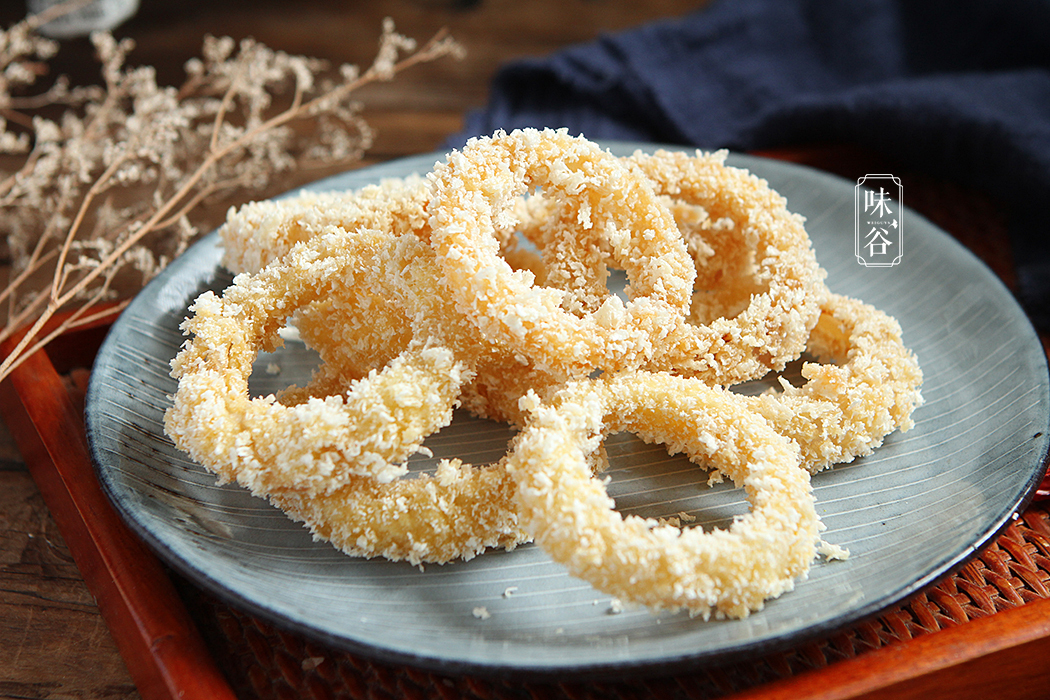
x,y
260,232
339,328
408,304
500,376
845,410
456,513
317,445
729,571
472,195
784,292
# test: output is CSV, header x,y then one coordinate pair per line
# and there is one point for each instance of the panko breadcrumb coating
x,y
783,292
456,513
423,294
336,326
316,445
405,306
867,386
474,189
258,233
729,571
500,375
332,454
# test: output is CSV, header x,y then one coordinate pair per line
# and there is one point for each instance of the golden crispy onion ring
x,y
845,410
408,304
455,513
339,328
500,376
472,196
260,232
727,571
317,445
784,291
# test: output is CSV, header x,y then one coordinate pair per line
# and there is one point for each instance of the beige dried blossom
x,y
110,186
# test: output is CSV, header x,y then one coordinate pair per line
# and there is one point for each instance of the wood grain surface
x,y
53,643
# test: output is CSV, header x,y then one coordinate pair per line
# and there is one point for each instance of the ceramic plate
x,y
921,505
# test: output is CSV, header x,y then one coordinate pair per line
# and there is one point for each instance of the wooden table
x,y
53,642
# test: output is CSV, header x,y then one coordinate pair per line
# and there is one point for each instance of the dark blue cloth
x,y
958,89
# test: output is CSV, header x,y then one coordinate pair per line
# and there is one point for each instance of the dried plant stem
x,y
77,319
54,12
198,198
89,282
97,186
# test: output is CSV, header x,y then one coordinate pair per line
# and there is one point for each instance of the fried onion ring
x,y
338,328
471,198
501,376
844,411
274,449
260,232
317,445
410,305
730,571
787,285
457,512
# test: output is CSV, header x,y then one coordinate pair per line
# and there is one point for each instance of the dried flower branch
x,y
107,189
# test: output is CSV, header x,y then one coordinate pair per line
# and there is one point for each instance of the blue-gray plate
x,y
921,505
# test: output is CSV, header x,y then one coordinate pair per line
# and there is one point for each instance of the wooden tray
x,y
982,632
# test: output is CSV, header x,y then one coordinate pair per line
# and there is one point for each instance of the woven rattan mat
x,y
264,662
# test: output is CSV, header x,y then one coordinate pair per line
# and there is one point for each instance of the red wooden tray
x,y
159,642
